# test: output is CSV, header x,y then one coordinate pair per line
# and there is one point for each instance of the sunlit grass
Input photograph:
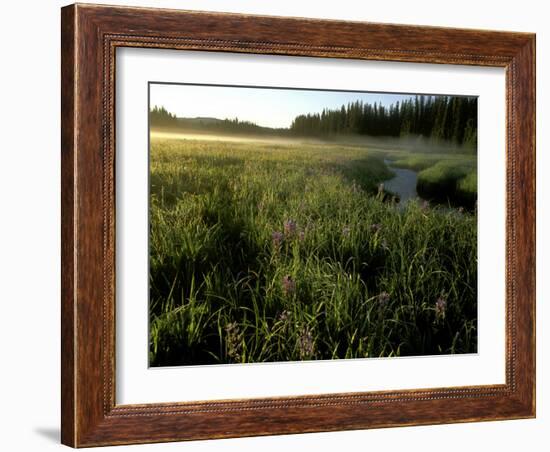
x,y
446,178
454,181
416,162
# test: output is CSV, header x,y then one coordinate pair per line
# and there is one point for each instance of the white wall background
x,y
30,225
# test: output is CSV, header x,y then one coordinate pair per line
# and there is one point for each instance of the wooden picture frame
x,y
90,36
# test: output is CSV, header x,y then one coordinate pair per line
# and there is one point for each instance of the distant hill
x,y
161,118
225,126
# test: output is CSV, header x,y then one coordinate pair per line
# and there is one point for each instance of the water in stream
x,y
402,184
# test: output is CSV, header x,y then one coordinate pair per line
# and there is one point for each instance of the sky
x,y
266,107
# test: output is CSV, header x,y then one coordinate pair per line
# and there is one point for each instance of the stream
x,y
403,183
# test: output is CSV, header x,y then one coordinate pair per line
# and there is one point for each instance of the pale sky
x,y
263,106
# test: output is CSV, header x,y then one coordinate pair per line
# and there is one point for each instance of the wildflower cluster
x,y
290,231
440,308
277,238
290,228
289,285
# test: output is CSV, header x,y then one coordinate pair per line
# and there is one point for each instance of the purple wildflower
x,y
284,316
425,205
383,299
440,308
289,285
277,238
282,321
290,227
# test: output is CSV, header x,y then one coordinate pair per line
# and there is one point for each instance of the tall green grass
x,y
417,162
444,178
275,253
449,181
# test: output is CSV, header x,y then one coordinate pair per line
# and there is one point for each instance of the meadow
x,y
288,251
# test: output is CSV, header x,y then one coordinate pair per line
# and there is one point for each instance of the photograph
x,y
294,224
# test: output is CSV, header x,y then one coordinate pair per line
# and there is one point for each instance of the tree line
x,y
451,118
441,118
159,116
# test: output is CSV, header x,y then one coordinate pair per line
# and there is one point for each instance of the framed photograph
x,y
281,225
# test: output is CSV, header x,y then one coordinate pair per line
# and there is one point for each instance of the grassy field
x,y
276,252
443,178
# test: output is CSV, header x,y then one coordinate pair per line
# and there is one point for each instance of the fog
x,y
230,138
409,143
